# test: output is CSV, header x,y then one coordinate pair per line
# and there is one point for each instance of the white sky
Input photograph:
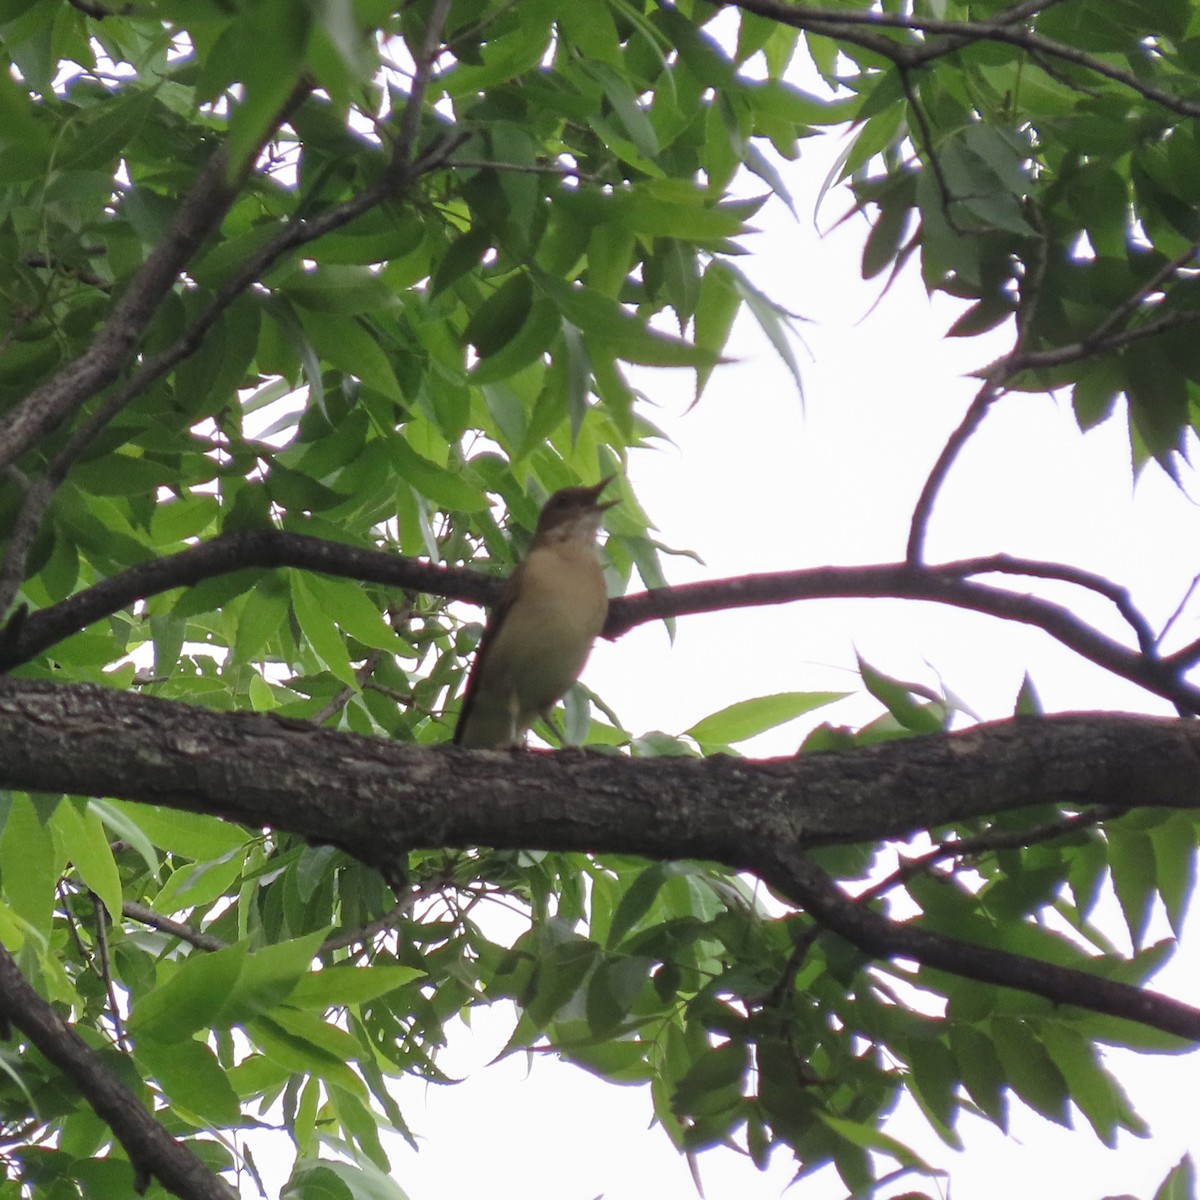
x,y
757,482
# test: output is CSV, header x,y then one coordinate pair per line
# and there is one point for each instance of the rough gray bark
x,y
378,798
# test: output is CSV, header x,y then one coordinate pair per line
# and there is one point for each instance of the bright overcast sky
x,y
757,480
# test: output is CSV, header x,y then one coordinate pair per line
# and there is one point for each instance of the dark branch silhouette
x,y
31,634
377,799
864,29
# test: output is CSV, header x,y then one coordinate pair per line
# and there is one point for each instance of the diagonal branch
x,y
290,237
985,843
151,1149
801,880
200,212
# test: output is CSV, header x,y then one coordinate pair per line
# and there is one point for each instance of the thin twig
x,y
857,28
185,933
342,698
100,916
984,843
425,59
337,941
1007,564
988,393
1188,654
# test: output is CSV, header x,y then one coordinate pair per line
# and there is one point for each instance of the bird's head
x,y
574,512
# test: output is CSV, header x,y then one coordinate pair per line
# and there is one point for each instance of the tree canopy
x,y
304,310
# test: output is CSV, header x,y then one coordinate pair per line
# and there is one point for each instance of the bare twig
x,y
100,916
100,11
425,58
1007,564
342,698
556,169
993,839
859,28
989,392
1190,653
185,933
336,941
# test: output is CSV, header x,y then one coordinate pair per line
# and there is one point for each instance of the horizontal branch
x,y
32,634
255,549
378,799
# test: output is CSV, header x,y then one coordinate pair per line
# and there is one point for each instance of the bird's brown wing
x,y
490,631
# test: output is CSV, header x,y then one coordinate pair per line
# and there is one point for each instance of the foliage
x,y
466,221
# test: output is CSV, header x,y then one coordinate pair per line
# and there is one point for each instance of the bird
x,y
541,631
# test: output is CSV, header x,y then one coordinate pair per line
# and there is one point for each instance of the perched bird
x,y
540,633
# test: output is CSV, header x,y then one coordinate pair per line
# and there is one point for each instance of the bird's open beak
x,y
594,492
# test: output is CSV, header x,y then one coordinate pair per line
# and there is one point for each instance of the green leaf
x,y
1131,861
30,863
342,985
597,316
1030,1071
190,999
1180,1183
748,718
320,632
325,1179
869,1138
718,304
897,699
1174,843
453,489
348,345
81,834
635,902
192,1079
498,319
193,835
356,614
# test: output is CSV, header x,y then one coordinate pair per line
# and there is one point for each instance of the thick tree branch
x,y
151,1149
377,799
